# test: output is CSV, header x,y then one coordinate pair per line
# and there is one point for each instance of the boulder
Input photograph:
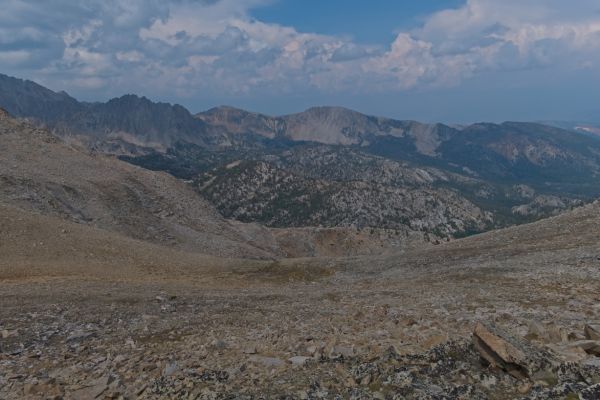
x,y
569,353
299,360
592,332
549,333
92,389
499,352
508,353
170,369
341,352
589,346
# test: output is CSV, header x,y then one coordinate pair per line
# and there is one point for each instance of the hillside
x,y
36,245
40,173
363,326
333,167
258,191
303,184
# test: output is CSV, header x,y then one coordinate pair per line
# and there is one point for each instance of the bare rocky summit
x,y
326,125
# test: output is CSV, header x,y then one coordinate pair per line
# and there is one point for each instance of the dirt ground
x,y
367,327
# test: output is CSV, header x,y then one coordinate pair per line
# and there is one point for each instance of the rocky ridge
x,y
41,174
258,191
485,161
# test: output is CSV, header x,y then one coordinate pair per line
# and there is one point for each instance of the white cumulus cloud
x,y
186,47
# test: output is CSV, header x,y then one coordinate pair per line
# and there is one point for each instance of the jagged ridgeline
x,y
333,167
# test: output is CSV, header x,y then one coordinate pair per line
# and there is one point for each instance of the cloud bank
x,y
214,47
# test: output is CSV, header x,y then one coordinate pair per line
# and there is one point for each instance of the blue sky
x,y
451,61
368,22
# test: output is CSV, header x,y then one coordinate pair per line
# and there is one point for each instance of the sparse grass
x,y
279,272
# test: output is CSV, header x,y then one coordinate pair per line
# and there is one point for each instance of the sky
x,y
454,61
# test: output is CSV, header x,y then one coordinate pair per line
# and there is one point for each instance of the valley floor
x,y
373,327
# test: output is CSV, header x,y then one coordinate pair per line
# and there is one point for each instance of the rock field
x,y
389,327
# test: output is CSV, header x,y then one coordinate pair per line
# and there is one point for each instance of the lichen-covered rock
x,y
509,353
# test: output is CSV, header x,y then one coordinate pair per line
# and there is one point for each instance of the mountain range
x,y
330,167
42,177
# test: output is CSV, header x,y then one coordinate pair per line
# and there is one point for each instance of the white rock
x,y
299,360
269,362
344,351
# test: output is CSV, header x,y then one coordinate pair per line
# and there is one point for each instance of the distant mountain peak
x,y
131,96
132,99
329,109
332,111
225,108
225,111
141,120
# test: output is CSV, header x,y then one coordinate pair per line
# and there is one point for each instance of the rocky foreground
x,y
84,340
512,314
